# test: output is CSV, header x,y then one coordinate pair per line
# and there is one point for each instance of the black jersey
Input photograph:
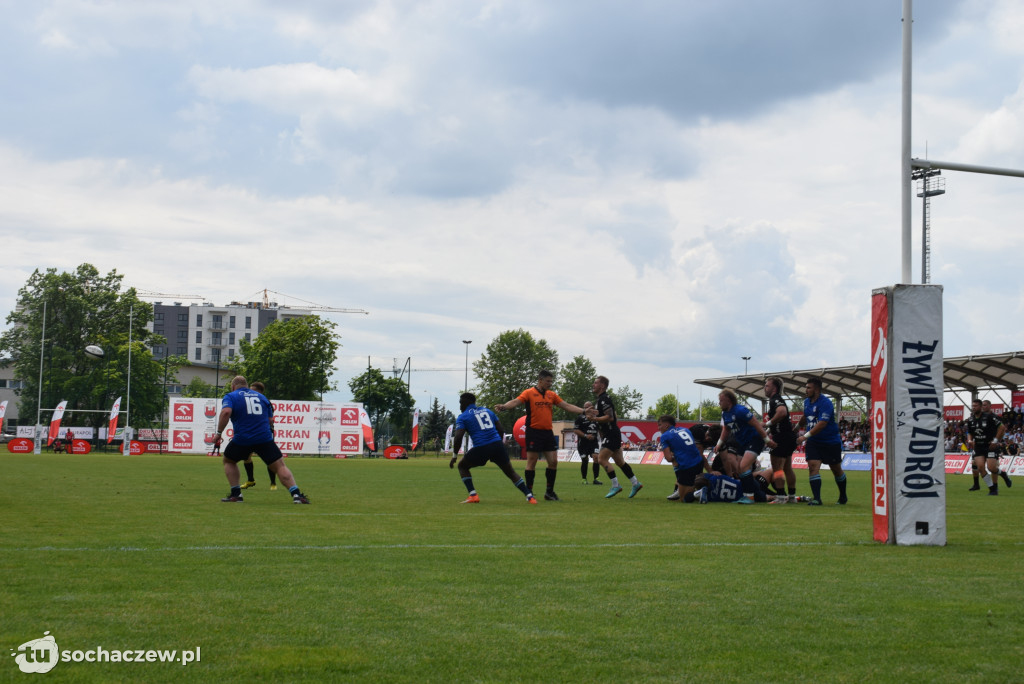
x,y
588,428
605,407
783,428
983,427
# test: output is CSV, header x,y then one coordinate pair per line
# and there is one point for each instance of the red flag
x,y
58,415
112,428
364,420
415,429
3,412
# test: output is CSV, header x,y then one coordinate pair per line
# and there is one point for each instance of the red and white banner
x,y
415,429
58,415
915,473
112,425
953,414
3,412
300,427
879,417
367,427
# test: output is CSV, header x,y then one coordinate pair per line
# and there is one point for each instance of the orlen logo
x,y
20,445
350,416
183,413
632,434
350,443
182,439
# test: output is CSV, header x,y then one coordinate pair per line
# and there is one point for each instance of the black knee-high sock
x,y
249,472
550,474
583,466
626,470
273,478
597,468
530,475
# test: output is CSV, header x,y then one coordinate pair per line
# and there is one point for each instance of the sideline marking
x,y
377,547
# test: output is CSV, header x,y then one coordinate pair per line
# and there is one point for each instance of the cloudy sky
x,y
661,186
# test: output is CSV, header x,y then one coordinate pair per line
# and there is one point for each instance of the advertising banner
x,y
300,427
879,418
916,464
953,414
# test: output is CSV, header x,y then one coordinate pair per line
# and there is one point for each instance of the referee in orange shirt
x,y
540,438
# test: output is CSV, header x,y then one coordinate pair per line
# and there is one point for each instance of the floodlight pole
x,y
905,167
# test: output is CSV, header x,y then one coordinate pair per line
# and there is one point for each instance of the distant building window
x,y
199,319
248,337
231,338
231,322
183,318
181,351
231,353
199,336
217,321
158,351
215,338
248,322
158,331
159,316
199,354
183,335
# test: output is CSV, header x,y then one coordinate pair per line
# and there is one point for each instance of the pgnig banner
x,y
908,450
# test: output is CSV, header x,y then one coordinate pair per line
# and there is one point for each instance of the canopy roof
x,y
970,374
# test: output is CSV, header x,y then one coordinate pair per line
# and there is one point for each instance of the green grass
x,y
387,578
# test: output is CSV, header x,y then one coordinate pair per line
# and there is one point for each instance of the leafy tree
x,y
668,405
508,366
85,308
629,403
575,383
199,388
292,358
709,411
387,402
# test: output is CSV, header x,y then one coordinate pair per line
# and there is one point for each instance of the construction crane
x,y
312,306
149,294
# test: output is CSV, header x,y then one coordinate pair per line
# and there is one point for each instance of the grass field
x,y
386,577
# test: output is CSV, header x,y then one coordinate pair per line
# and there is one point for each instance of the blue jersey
x,y
822,411
723,488
684,447
737,419
480,424
250,416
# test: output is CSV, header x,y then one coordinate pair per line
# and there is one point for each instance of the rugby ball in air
x,y
93,351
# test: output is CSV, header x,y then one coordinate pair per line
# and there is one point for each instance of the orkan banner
x,y
112,424
300,427
915,473
58,415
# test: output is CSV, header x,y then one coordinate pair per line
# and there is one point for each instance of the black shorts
x,y
612,441
686,476
586,447
755,445
982,449
829,454
540,440
268,451
785,446
479,455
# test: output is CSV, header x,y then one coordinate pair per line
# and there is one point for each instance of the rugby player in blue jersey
x,y
822,441
249,413
485,430
744,428
684,449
